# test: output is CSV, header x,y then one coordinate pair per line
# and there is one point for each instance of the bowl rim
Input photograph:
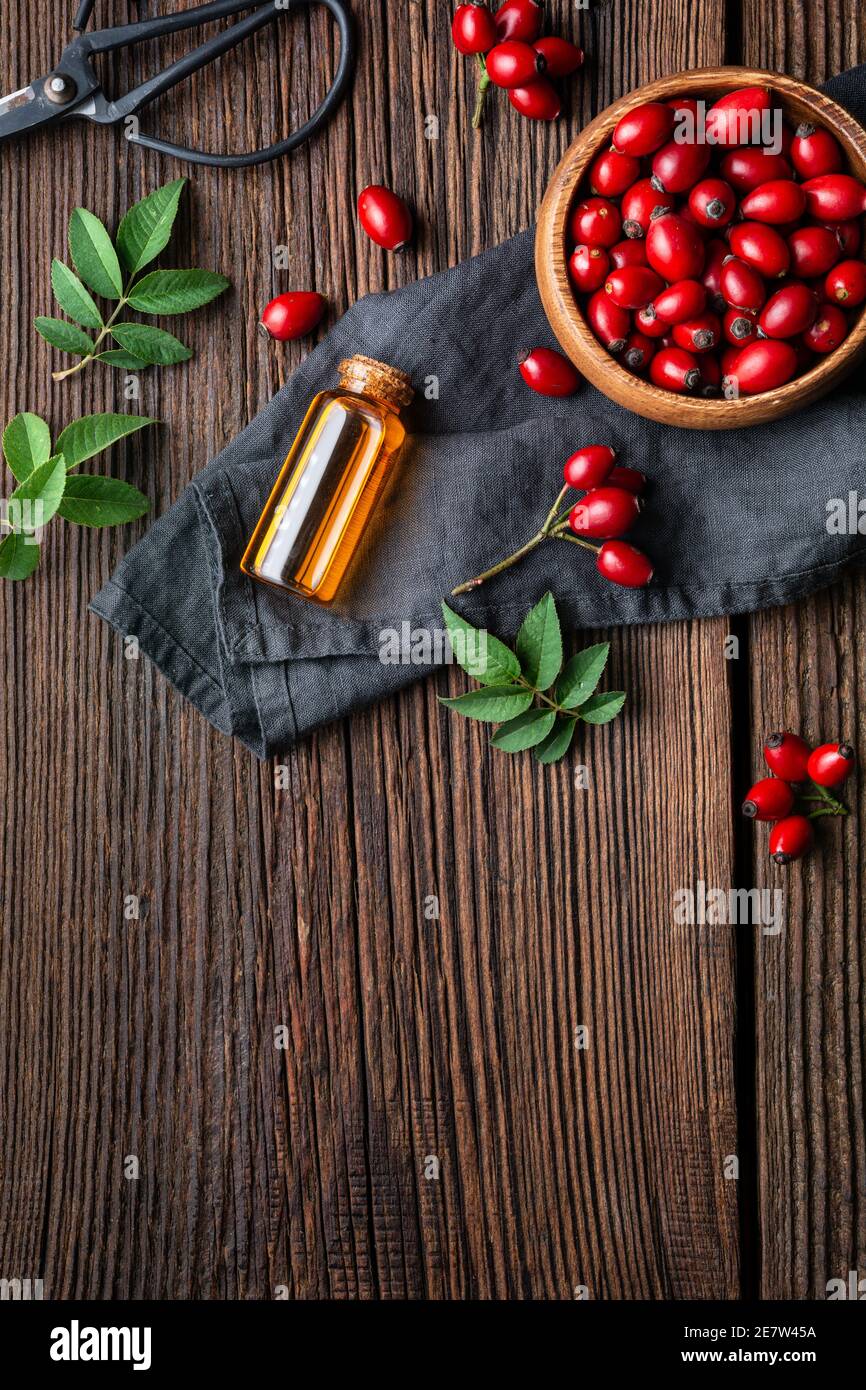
x,y
560,303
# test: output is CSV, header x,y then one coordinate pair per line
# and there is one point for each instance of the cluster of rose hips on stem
x,y
801,774
609,508
720,277
512,54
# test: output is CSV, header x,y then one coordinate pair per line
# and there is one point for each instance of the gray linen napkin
x,y
736,520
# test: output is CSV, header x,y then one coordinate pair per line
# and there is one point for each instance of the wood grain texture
x,y
409,1038
807,674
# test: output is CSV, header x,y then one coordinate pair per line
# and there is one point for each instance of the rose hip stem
x,y
832,806
483,84
555,526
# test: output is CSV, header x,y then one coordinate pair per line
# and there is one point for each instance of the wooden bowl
x,y
799,103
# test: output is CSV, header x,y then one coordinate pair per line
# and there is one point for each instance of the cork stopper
x,y
368,377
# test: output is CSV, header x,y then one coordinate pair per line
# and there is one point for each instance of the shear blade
x,y
16,99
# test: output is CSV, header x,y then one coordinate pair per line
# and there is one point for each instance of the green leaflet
x,y
557,743
581,675
481,655
26,444
146,228
19,556
64,336
151,345
93,433
539,644
525,731
116,357
72,296
93,254
601,708
492,703
95,501
176,291
43,489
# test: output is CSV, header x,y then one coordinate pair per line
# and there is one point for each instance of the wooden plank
x,y
807,674
412,1040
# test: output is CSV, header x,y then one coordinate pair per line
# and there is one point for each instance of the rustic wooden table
x,y
408,1039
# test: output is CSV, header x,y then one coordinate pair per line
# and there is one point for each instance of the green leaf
x,y
44,486
601,708
492,704
539,644
93,433
525,731
64,336
152,345
116,357
94,256
176,291
146,228
73,297
581,675
93,501
557,743
26,444
482,656
19,556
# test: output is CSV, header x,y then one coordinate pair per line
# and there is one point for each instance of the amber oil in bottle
x,y
330,482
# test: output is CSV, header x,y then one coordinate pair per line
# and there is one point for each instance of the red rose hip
x,y
596,222
588,267
589,466
835,197
549,373
789,312
561,57
610,324
698,335
777,202
733,118
790,839
514,64
627,253
828,331
814,151
769,799
761,247
712,203
639,352
519,19
612,173
623,564
473,29
674,248
676,166
675,369
683,300
641,205
748,168
831,763
787,754
846,284
605,513
385,217
633,286
764,365
742,287
630,478
538,102
814,251
644,130
292,315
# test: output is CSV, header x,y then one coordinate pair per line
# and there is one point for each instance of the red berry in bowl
x,y
628,253
674,248
549,373
791,839
538,102
649,324
596,222
683,300
675,369
519,19
711,375
848,235
742,287
633,286
385,217
814,151
769,799
588,267
828,331
749,167
764,365
292,315
732,119
643,130
639,351
561,57
698,335
514,64
605,513
738,327
610,324
787,755
589,466
612,173
777,202
814,251
677,166
717,253
473,29
846,284
835,197
641,205
762,247
789,312
830,764
624,564
712,203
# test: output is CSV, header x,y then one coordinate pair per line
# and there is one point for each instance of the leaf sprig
x,y
111,272
514,683
48,487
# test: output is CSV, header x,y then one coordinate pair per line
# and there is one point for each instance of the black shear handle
x,y
124,36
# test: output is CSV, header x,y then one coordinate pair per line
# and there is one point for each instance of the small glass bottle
x,y
330,482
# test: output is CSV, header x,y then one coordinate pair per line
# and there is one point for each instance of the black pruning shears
x,y
74,90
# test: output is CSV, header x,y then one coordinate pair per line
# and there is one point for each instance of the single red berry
x,y
835,197
549,373
588,267
633,286
791,839
514,64
828,331
675,369
385,217
831,763
644,130
742,287
711,276
539,101
814,151
787,755
712,203
762,247
628,253
589,466
738,326
612,173
292,315
674,248
711,375
749,167
639,351
683,300
731,119
848,235
814,251
846,284
789,312
520,19
624,564
769,799
641,205
776,202
649,323
473,29
764,365
700,334
630,478
596,222
605,513
677,166
562,58
610,324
